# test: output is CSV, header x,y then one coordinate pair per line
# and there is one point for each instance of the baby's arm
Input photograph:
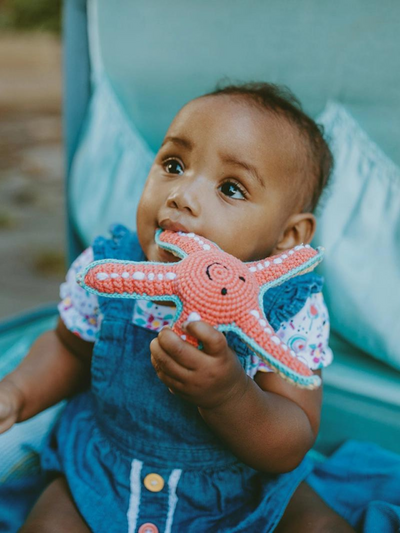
x,y
267,423
57,366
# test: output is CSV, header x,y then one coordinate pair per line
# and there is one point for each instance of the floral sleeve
x,y
307,334
79,309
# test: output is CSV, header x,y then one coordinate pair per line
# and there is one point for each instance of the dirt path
x,y
31,172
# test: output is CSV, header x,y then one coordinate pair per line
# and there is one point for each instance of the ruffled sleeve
x,y
307,334
79,309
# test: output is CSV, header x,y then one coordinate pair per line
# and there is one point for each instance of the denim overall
x,y
140,459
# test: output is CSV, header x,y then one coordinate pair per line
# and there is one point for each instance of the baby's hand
x,y
10,405
206,378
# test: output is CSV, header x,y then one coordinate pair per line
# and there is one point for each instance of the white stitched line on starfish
x,y
278,260
197,239
102,276
263,323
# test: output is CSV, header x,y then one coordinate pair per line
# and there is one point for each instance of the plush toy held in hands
x,y
209,284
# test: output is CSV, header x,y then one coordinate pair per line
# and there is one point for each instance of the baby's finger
x,y
183,353
213,341
163,363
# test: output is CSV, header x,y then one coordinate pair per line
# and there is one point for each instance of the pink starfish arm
x,y
278,268
259,335
130,279
188,243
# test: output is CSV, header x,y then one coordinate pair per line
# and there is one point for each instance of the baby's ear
x,y
299,229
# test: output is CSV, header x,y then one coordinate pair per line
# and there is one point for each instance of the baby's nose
x,y
185,197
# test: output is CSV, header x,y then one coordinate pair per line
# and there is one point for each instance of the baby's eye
x,y
173,166
232,190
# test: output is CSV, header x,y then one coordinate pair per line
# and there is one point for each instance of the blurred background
x,y
32,261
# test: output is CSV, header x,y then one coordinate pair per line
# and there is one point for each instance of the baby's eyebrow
x,y
232,160
181,141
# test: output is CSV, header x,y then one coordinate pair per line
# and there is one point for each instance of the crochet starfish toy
x,y
211,285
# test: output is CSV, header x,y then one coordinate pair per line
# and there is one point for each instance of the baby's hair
x,y
280,101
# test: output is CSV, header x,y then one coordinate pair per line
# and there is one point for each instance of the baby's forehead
x,y
236,110
240,125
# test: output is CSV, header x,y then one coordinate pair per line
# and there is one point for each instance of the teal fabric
x,y
359,227
361,400
158,55
109,169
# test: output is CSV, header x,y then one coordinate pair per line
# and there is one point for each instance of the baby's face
x,y
223,172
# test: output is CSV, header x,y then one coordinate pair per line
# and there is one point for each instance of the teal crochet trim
x,y
169,247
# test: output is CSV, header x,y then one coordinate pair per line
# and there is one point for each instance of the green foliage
x,y
42,15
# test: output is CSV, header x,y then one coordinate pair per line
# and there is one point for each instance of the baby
x,y
158,436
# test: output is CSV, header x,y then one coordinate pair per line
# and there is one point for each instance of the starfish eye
x,y
242,278
224,291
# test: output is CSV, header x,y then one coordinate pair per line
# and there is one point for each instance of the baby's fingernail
x,y
193,317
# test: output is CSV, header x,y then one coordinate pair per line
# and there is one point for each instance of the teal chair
x,y
130,66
